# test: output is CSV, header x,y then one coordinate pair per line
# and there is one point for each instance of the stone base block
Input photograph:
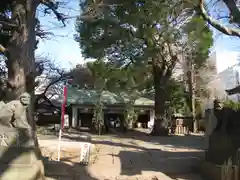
x,y
34,171
19,155
211,171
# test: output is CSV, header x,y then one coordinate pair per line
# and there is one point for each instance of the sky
x,y
61,48
64,50
227,51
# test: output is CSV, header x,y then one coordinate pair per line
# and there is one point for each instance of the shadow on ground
x,y
187,141
169,163
15,157
147,163
175,155
135,158
173,141
63,170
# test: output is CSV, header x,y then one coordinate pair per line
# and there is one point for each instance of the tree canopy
x,y
150,34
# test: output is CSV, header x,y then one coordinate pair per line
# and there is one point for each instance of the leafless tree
x,y
233,17
49,84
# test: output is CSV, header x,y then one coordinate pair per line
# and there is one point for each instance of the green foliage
x,y
231,104
106,76
176,92
127,32
98,117
101,72
199,41
137,35
101,75
130,115
10,21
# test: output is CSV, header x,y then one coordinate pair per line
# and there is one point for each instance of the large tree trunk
x,y
192,95
20,50
195,122
160,127
20,53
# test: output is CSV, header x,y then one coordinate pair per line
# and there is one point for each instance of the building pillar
x,y
79,123
152,115
74,117
151,119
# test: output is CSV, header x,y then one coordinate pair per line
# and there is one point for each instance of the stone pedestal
x,y
211,171
222,161
221,149
19,157
211,122
222,158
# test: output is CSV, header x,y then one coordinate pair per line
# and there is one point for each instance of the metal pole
x,y
62,118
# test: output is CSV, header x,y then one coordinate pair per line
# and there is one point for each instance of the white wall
x,y
226,59
225,77
230,79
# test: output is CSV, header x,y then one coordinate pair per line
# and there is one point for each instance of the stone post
x,y
152,116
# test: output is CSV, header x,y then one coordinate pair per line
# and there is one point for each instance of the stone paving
x,y
139,157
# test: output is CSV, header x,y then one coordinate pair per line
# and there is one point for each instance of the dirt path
x,y
137,156
145,157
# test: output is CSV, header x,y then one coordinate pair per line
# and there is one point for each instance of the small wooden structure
x,y
181,125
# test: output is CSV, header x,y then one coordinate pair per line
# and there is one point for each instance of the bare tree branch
x,y
4,21
52,83
40,32
53,6
49,72
234,11
216,24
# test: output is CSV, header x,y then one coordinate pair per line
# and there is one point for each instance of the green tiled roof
x,y
144,102
81,96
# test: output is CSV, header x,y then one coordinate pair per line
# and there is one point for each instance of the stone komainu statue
x,y
24,157
14,113
227,119
224,141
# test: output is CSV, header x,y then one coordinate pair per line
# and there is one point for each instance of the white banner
x,y
85,152
66,120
